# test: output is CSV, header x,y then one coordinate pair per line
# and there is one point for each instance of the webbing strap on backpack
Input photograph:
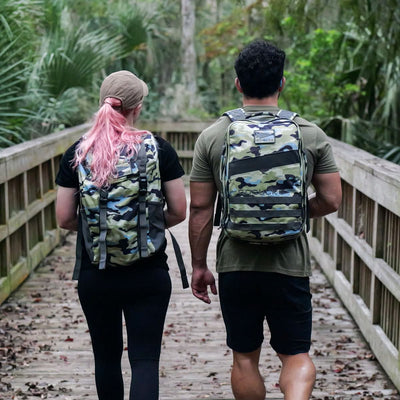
x,y
143,228
179,260
79,249
103,229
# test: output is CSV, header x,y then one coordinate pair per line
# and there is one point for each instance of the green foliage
x,y
52,81
343,61
16,52
311,73
71,58
151,43
369,59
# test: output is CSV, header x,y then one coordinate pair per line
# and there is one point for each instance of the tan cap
x,y
125,86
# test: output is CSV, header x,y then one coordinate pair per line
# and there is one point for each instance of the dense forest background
x,y
343,61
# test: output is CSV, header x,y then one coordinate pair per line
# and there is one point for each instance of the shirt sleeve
x,y
201,170
67,175
325,160
170,167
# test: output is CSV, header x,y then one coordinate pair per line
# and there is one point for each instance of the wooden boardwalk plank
x,y
46,353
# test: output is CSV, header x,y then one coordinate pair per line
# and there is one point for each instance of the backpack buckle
x,y
103,195
142,185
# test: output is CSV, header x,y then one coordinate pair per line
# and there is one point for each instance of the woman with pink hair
x,y
139,290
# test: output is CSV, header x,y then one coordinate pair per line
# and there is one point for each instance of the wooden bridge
x,y
44,345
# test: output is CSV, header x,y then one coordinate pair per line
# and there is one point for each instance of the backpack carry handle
x,y
239,114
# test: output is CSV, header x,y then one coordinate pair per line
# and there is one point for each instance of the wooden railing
x,y
358,247
28,229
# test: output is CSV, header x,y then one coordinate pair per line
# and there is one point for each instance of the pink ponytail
x,y
104,141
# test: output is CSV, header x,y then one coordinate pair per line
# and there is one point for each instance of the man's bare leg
x,y
297,376
247,382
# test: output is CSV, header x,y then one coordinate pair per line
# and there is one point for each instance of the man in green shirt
x,y
259,282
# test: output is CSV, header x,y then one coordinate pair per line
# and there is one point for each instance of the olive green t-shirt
x,y
291,257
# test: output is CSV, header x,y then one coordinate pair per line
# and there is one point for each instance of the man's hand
x,y
201,279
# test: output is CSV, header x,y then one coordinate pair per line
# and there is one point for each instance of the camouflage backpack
x,y
263,175
124,222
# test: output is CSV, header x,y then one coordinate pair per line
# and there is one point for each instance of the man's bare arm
x,y
327,196
202,196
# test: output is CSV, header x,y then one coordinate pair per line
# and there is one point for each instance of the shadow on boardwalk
x,y
46,353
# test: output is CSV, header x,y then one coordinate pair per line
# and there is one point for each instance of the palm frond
x,y
72,59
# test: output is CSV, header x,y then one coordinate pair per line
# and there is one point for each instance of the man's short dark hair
x,y
259,68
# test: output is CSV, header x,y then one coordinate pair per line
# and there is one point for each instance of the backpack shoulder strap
x,y
287,114
141,163
236,114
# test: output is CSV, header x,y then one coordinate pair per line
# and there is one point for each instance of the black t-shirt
x,y
170,169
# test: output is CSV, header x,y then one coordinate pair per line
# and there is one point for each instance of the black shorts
x,y
247,298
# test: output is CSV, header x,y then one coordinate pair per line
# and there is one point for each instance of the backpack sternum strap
x,y
143,222
103,228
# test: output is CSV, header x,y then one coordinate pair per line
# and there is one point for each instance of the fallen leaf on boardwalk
x,y
339,366
323,372
69,339
64,358
373,377
368,356
345,339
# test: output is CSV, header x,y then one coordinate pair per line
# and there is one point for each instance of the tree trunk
x,y
189,62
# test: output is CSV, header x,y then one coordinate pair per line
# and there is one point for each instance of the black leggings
x,y
142,294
